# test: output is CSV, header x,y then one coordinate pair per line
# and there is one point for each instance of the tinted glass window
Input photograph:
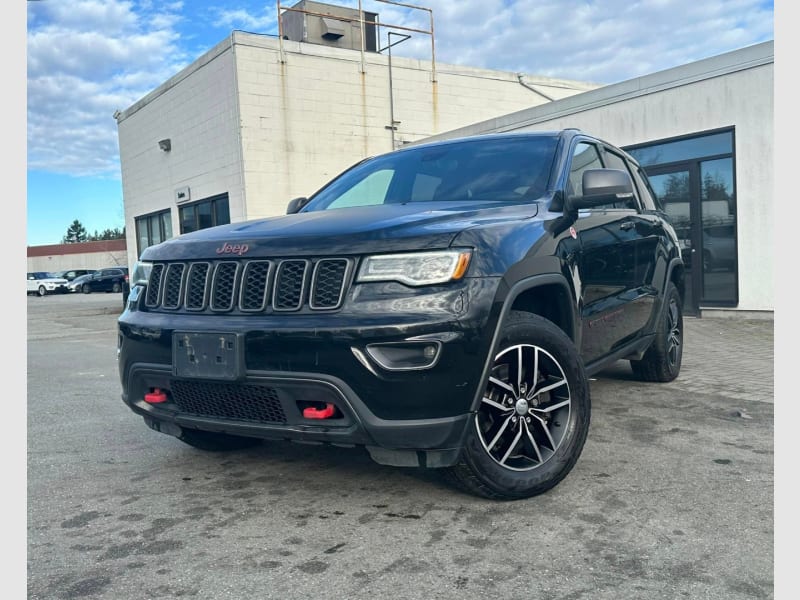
x,y
204,214
615,161
585,156
492,170
681,150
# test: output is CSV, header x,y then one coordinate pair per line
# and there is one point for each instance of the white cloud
x,y
87,59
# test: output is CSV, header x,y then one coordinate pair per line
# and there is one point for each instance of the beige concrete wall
x,y
86,260
731,90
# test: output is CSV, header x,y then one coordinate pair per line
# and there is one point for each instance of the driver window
x,y
585,156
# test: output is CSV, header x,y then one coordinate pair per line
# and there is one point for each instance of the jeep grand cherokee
x,y
441,305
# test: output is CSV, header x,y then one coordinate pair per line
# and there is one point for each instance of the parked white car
x,y
42,283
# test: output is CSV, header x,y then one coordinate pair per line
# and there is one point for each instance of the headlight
x,y
416,268
141,273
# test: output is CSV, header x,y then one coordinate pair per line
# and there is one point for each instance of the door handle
x,y
627,225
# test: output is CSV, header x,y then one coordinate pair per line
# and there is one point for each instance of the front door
x,y
678,188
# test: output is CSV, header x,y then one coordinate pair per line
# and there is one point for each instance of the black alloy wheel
x,y
531,424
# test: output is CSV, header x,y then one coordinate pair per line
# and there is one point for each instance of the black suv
x,y
106,280
441,305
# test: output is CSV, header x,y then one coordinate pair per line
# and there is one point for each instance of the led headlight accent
x,y
416,268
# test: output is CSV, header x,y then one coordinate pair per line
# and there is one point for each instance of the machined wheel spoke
x,y
519,369
543,423
503,385
533,393
533,441
548,409
499,433
512,446
497,405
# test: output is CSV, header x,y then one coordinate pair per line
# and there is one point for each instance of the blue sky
x,y
87,58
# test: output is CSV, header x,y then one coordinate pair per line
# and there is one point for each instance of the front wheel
x,y
85,288
42,291
532,422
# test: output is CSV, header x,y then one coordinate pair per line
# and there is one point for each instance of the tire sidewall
x,y
544,334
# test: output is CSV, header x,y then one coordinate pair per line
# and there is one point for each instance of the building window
x,y
153,229
206,213
694,178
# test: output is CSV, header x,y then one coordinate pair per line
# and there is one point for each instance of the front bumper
x,y
292,362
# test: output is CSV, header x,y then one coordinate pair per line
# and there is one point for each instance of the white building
x,y
704,134
258,120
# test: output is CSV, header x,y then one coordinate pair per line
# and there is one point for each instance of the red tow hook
x,y
314,413
155,397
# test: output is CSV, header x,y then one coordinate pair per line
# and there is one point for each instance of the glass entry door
x,y
679,192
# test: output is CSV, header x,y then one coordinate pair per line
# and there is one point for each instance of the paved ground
x,y
672,497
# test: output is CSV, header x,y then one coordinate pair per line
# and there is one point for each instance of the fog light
x,y
405,356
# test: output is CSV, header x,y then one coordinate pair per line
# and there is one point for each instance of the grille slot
x,y
255,285
249,286
197,286
224,289
153,295
327,285
235,401
290,285
172,285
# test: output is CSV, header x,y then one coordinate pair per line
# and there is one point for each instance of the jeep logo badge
x,y
227,248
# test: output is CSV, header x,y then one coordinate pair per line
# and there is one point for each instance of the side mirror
x,y
296,204
601,186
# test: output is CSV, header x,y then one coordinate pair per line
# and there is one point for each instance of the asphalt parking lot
x,y
671,498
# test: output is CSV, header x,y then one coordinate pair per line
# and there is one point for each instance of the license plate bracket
x,y
208,355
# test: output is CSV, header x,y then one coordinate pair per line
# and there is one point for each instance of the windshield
x,y
42,275
496,170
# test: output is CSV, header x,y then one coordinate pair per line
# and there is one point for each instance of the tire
x,y
116,288
216,442
522,444
42,291
86,289
662,361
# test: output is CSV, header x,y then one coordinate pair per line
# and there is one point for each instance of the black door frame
x,y
691,299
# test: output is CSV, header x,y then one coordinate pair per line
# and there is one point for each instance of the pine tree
x,y
76,233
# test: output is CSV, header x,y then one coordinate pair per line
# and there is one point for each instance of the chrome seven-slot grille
x,y
249,286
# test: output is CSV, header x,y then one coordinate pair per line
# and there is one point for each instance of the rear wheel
x,y
662,361
85,288
216,442
116,288
533,419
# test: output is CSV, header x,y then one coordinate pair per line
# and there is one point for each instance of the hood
x,y
345,231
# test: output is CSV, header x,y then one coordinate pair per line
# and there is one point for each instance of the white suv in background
x,y
42,283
